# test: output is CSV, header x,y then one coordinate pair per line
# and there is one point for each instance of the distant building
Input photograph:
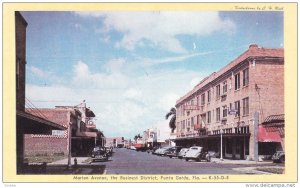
x,y
25,123
224,103
115,141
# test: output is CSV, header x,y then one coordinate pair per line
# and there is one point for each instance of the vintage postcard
x,y
150,92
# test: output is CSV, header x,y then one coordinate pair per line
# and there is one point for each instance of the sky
x,y
131,67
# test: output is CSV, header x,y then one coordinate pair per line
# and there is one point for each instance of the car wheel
x,y
170,157
186,159
282,159
208,159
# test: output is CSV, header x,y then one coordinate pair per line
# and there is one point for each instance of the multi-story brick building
x,y
223,105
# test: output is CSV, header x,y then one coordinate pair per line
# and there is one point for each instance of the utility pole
x,y
69,140
256,118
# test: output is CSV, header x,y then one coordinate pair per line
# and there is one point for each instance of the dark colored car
x,y
174,151
279,156
100,154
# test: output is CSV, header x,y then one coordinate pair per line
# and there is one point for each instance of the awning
x,y
274,120
266,134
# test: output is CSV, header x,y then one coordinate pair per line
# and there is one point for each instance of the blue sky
x,y
131,67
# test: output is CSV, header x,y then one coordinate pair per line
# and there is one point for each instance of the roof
x,y
254,51
41,120
59,116
274,120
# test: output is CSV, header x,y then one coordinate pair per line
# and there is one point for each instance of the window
x,y
237,81
237,108
192,102
203,99
208,117
246,77
18,73
218,92
224,87
246,106
208,96
218,114
198,119
192,121
224,111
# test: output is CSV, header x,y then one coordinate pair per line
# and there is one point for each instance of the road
x,y
125,161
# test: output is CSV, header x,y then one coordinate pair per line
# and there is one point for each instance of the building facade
x,y
224,104
26,123
81,132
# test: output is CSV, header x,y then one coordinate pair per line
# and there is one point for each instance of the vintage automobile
x,y
109,150
100,154
161,151
182,153
279,156
173,152
197,153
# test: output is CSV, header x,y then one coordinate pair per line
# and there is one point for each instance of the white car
x,y
197,153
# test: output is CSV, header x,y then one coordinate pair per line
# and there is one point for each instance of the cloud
x,y
38,72
149,61
132,93
160,28
112,79
125,103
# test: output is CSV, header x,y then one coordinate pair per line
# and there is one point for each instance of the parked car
x,y
174,151
100,153
153,149
182,153
197,153
279,156
161,151
109,150
213,154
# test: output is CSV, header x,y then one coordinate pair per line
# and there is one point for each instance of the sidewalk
x,y
244,162
80,160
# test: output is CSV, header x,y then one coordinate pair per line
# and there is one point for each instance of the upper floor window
x,y
218,91
246,77
18,73
224,87
224,111
246,106
203,99
218,114
237,108
209,117
237,81
208,96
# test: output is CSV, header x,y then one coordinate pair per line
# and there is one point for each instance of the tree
x,y
137,137
172,123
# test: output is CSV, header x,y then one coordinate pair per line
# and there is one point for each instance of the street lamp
x,y
221,155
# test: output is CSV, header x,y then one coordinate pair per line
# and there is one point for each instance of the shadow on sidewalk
x,y
43,169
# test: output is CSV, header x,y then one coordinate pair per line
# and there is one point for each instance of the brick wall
x,y
35,145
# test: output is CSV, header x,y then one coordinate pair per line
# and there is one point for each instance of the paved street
x,y
126,161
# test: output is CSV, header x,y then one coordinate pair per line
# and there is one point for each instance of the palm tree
x,y
172,123
137,137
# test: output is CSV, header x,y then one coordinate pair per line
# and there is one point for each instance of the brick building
x,y
224,104
80,126
26,123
